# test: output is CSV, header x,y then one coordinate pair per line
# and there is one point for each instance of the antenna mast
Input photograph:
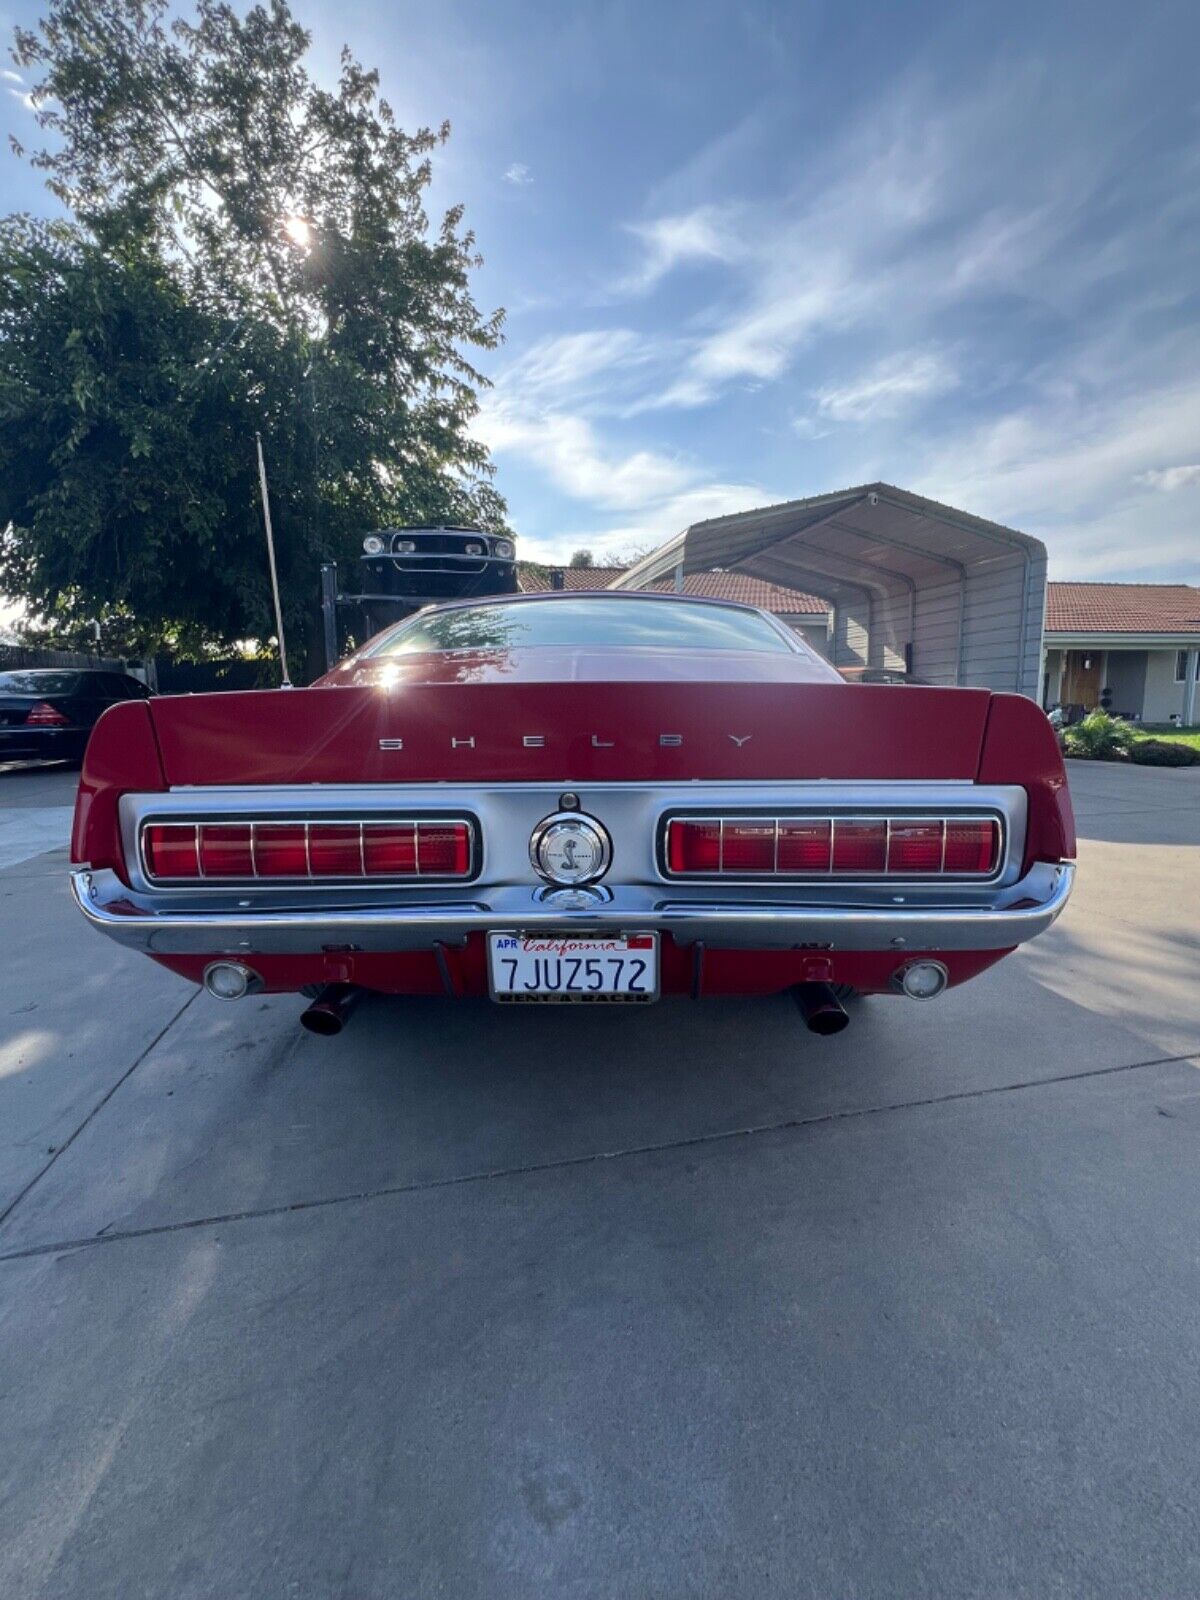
x,y
266,505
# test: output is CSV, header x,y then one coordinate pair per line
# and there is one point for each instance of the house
x,y
1133,648
805,613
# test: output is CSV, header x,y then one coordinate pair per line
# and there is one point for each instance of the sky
x,y
752,252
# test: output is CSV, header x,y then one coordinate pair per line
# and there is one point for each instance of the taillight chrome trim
x,y
308,879
828,874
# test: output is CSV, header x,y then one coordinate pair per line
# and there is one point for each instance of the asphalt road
x,y
478,1304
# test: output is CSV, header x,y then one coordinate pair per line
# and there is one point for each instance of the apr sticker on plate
x,y
552,969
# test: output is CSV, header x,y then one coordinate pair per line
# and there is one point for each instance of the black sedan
x,y
47,713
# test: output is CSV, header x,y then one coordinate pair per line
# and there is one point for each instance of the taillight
x,y
832,846
306,850
859,846
694,846
44,715
915,847
970,846
171,850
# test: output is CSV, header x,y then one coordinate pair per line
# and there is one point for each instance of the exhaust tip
x,y
322,1019
821,1009
828,1021
331,1009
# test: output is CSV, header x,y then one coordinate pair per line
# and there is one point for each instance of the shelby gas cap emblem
x,y
568,848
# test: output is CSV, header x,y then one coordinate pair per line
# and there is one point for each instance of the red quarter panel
x,y
122,755
1020,747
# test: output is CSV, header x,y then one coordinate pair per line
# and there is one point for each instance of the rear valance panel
x,y
579,732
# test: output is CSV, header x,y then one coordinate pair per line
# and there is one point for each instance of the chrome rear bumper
x,y
1010,917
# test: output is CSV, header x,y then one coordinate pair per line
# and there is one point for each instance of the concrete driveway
x,y
669,1304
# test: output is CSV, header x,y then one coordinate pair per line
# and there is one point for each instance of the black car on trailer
x,y
405,568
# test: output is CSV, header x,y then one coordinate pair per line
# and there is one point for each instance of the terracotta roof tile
x,y
1122,608
734,586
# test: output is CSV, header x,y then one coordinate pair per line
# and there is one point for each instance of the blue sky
x,y
751,252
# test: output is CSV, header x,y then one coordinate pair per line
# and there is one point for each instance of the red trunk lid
x,y
594,730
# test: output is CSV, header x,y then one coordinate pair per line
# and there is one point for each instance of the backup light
x,y
923,980
230,980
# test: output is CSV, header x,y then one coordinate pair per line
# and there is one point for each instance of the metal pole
x,y
329,612
266,505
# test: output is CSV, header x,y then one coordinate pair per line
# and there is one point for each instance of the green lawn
x,y
1170,735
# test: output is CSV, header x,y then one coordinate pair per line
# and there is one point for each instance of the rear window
x,y
38,682
530,624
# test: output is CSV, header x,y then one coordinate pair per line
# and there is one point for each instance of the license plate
x,y
557,969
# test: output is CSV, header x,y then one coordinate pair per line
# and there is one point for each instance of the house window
x,y
1181,666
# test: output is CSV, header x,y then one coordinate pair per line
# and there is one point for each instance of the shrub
x,y
1162,753
1099,737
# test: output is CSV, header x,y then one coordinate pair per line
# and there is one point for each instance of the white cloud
x,y
518,174
569,364
11,77
655,523
1063,471
1170,478
888,388
545,410
707,233
26,100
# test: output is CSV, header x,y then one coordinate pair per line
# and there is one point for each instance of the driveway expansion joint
x,y
96,1109
390,1191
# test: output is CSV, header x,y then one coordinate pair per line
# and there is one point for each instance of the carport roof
x,y
875,538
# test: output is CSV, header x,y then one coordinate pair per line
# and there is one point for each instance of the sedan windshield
x,y
605,624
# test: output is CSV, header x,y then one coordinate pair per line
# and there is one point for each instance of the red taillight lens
x,y
808,846
171,850
971,846
390,849
804,846
308,850
280,850
226,850
748,847
44,715
444,849
915,847
694,846
335,849
859,846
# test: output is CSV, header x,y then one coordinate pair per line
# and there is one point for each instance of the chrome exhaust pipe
x,y
330,1011
821,1009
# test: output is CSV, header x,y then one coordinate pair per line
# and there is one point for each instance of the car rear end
x,y
712,826
40,716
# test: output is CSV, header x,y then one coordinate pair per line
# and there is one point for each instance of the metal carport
x,y
911,583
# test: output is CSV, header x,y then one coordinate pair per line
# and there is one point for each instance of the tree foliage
x,y
582,558
247,251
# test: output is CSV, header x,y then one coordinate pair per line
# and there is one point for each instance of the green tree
x,y
248,251
582,558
